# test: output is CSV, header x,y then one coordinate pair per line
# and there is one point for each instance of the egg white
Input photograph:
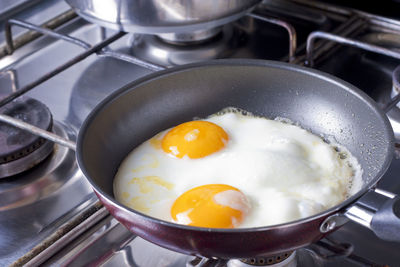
x,y
286,172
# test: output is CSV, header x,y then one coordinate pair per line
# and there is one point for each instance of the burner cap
x,y
19,149
190,38
174,49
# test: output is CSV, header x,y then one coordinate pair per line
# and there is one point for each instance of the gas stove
x,y
56,67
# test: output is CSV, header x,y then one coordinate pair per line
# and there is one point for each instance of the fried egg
x,y
235,170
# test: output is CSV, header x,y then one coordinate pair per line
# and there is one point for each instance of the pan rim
x,y
237,62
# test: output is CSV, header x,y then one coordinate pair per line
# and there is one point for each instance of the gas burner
x,y
42,180
177,49
396,82
298,258
190,38
387,96
21,150
285,259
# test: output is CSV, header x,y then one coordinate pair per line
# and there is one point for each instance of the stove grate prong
x,y
343,40
289,28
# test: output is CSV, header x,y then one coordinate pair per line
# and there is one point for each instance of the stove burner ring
x,y
19,149
23,152
190,38
170,53
267,260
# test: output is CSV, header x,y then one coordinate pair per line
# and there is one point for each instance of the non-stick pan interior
x,y
317,102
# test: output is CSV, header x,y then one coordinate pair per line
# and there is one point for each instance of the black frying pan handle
x,y
380,211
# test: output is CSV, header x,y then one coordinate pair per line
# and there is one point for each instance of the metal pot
x,y
161,16
318,102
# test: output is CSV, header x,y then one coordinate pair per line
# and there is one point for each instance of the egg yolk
x,y
196,139
212,205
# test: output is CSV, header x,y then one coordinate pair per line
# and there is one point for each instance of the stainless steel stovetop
x,y
49,214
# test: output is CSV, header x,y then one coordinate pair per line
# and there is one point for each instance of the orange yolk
x,y
196,139
212,205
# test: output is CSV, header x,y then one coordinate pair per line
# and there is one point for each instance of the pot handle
x,y
378,210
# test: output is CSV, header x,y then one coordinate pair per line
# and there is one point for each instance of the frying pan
x,y
318,102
